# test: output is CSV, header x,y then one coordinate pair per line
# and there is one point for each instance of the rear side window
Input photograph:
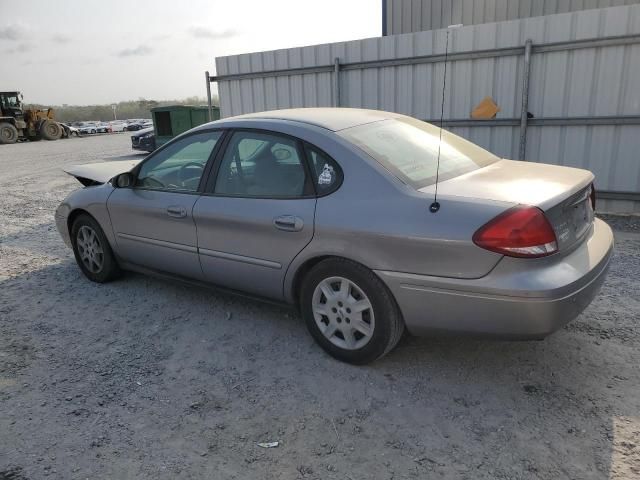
x,y
262,165
408,148
327,175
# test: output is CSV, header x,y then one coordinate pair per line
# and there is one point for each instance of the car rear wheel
x,y
92,250
349,311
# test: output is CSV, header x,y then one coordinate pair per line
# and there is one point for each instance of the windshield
x,y
408,148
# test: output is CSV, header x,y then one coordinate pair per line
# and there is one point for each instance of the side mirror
x,y
124,180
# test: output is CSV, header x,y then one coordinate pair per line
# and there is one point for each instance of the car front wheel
x,y
349,311
92,250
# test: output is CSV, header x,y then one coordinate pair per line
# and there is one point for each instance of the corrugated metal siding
x,y
586,82
407,16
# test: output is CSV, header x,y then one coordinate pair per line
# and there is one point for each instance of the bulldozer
x,y
17,124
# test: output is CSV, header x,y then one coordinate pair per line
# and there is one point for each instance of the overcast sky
x,y
89,52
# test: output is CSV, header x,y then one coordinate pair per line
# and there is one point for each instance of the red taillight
x,y
592,197
521,231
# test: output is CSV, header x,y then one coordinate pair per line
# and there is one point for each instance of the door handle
x,y
176,211
288,223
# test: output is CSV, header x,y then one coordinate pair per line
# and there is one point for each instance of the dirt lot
x,y
143,378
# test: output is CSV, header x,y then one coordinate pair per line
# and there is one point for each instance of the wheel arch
x,y
293,293
75,213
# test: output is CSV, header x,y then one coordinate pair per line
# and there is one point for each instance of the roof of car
x,y
334,119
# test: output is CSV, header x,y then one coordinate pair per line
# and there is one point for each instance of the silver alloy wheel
x,y
343,313
90,249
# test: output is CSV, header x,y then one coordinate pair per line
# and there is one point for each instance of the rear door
x,y
153,220
257,212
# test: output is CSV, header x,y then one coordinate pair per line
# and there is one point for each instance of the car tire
x,y
356,337
93,132
8,133
92,250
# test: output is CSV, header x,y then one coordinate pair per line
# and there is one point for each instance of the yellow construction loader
x,y
17,124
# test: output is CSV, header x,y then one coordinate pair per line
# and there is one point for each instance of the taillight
x,y
522,231
592,197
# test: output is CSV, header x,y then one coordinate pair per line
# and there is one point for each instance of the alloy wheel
x,y
90,249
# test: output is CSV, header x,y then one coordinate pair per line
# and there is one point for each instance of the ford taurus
x,y
334,211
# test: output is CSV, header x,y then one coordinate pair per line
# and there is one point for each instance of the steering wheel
x,y
183,171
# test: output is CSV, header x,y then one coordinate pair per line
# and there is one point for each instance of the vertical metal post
x,y
209,105
384,18
525,101
336,82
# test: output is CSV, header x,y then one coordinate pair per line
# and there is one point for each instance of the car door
x,y
153,220
256,214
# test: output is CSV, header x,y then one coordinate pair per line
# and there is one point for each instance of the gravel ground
x,y
144,378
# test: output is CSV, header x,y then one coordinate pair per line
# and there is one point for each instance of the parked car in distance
x,y
334,211
104,127
143,140
117,126
132,127
88,128
69,130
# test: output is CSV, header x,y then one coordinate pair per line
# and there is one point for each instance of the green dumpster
x,y
172,120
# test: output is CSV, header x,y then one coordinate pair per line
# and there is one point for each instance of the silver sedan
x,y
369,222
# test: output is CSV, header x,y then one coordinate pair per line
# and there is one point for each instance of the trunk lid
x,y
572,218
561,192
102,172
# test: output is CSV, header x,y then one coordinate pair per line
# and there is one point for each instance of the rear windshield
x,y
408,148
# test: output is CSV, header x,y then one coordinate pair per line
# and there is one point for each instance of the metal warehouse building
x,y
567,84
408,16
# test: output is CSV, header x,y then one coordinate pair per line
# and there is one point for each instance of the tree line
x,y
140,108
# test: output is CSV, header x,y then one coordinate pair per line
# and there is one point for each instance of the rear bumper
x,y
519,298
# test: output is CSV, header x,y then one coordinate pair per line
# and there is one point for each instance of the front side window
x,y
180,165
408,148
257,164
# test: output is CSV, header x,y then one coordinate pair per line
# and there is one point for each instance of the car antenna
x,y
435,206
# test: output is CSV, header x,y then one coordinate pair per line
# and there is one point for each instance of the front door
x,y
257,215
153,221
